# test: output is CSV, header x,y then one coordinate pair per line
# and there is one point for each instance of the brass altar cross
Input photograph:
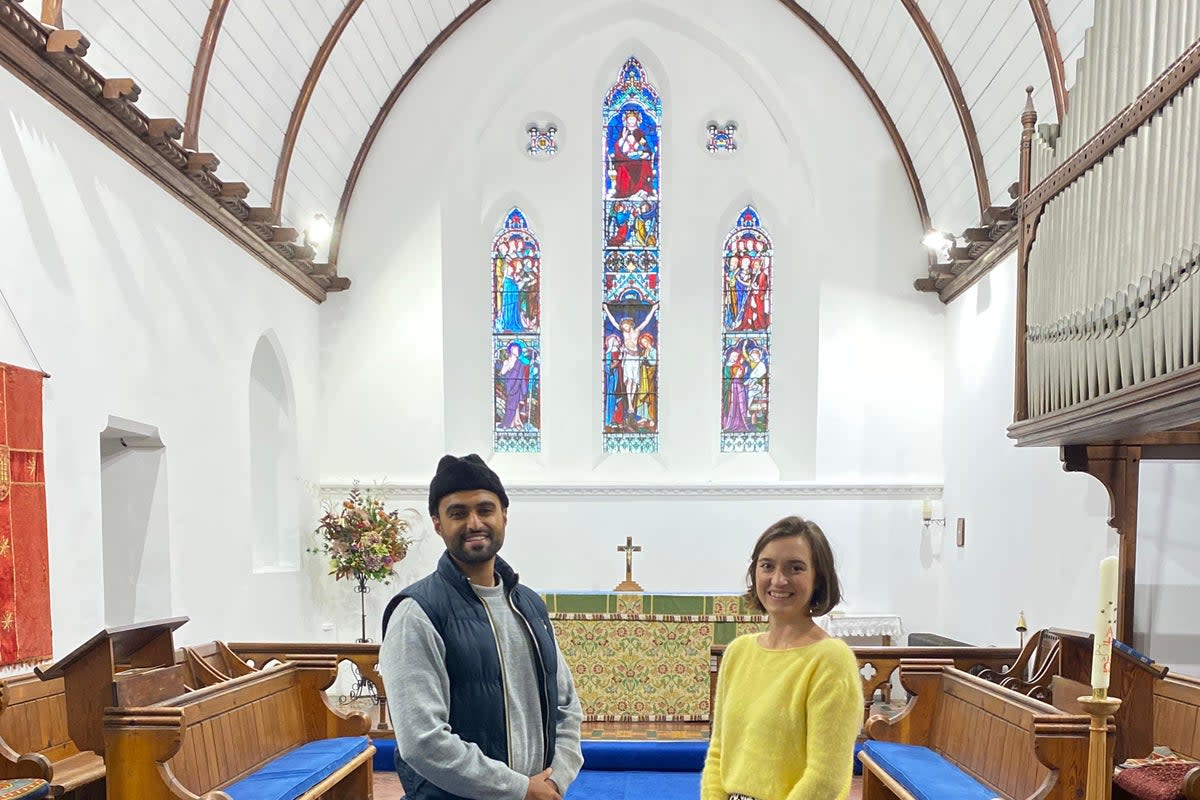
x,y
629,584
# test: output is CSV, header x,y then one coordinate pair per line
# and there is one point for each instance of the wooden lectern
x,y
133,665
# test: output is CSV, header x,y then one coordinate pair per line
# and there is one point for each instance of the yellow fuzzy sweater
x,y
785,722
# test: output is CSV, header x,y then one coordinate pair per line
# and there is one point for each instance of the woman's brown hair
x,y
827,592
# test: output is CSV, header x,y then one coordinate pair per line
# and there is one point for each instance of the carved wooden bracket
x,y
1117,468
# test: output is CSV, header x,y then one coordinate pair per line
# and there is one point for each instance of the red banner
x,y
24,555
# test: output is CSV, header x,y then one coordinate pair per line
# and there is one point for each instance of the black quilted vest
x,y
477,709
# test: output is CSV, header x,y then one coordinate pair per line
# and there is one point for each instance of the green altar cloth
x,y
645,657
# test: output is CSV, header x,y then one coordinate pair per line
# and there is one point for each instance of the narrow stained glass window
x,y
746,336
516,337
632,115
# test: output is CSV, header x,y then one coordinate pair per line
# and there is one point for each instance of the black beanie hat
x,y
464,474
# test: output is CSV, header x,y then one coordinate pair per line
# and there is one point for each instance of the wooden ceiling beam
x,y
914,181
965,121
103,107
302,100
208,46
1054,59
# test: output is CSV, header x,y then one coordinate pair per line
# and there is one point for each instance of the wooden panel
x,y
1177,714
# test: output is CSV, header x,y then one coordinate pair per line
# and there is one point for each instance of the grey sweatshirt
x,y
412,661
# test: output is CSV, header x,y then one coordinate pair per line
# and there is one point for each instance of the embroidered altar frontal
x,y
645,657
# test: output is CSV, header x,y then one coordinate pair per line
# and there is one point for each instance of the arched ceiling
x,y
290,93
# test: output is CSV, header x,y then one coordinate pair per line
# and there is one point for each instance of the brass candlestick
x,y
1100,707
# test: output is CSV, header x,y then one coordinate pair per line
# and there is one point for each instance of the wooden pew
x,y
1017,746
201,742
1066,655
34,742
210,663
364,656
1176,724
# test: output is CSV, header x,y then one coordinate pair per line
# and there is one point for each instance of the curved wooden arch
x,y
52,13
208,45
1054,59
302,100
910,171
960,101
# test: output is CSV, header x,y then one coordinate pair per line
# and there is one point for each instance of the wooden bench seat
x,y
983,739
236,739
34,742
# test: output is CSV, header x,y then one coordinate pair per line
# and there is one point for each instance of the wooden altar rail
x,y
363,655
881,663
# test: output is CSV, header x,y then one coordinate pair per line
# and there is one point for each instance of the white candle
x,y
926,510
1106,615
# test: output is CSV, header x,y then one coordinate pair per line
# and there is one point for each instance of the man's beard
x,y
466,555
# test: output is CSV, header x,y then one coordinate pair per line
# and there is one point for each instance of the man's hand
x,y
542,788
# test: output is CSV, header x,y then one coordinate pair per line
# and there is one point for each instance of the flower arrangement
x,y
363,540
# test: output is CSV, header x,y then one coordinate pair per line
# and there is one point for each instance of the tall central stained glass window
x,y
632,123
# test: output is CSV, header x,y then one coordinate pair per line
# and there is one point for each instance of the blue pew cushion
x,y
23,788
684,755
298,770
925,773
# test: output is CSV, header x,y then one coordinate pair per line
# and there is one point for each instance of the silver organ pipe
x,y
1129,44
1110,300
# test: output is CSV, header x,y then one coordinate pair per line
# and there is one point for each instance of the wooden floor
x,y
387,786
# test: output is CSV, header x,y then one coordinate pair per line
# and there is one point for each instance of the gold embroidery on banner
x,y
4,546
31,465
5,478
8,621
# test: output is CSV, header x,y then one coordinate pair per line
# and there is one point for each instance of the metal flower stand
x,y
363,688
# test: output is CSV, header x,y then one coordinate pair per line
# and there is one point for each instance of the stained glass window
x,y
746,336
632,116
516,337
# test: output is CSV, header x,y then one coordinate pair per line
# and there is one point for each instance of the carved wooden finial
x,y
1029,115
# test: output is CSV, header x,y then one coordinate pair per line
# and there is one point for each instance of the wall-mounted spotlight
x,y
318,230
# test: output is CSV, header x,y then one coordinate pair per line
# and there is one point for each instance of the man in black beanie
x,y
482,703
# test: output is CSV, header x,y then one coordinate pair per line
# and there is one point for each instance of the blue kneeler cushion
x,y
925,773
297,771
634,770
646,755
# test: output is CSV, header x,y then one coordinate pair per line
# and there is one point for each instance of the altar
x,y
645,657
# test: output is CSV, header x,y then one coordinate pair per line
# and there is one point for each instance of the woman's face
x,y
783,577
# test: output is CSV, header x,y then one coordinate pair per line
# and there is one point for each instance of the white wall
x,y
855,349
139,309
857,361
1168,565
1034,534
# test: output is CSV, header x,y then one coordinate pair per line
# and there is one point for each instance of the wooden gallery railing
x,y
879,665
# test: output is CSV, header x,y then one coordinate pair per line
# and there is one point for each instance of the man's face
x,y
471,523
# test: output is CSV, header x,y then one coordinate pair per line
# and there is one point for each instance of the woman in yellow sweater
x,y
789,701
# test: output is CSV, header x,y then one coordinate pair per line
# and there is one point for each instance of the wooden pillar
x,y
1117,467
